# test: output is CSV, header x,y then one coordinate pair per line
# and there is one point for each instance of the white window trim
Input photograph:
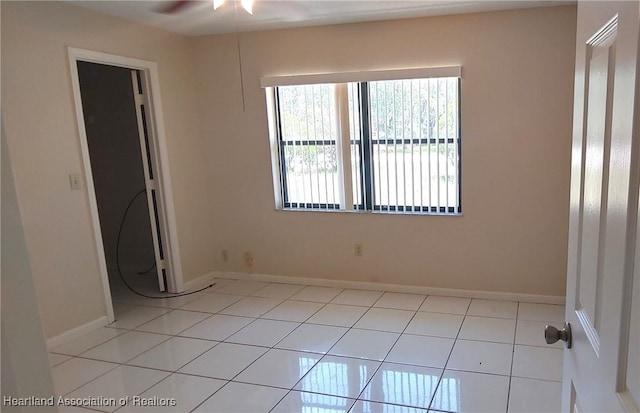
x,y
275,149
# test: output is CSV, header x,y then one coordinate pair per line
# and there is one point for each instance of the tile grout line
x,y
111,370
443,368
321,355
389,351
170,336
124,363
217,342
92,347
230,380
95,378
324,355
415,313
282,339
513,353
154,384
455,340
268,349
120,364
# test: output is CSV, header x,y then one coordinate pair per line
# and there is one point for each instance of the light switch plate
x,y
75,181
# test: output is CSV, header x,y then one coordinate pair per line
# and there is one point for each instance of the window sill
x,y
361,212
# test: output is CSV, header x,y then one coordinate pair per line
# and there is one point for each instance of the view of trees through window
x,y
308,125
404,145
414,137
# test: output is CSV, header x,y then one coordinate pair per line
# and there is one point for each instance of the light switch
x,y
75,181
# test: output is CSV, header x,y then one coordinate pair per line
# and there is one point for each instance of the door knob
x,y
552,334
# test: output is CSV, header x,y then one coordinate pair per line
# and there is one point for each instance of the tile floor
x,y
248,346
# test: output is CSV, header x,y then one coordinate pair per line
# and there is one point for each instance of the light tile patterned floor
x,y
248,346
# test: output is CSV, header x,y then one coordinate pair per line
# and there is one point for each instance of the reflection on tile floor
x,y
249,346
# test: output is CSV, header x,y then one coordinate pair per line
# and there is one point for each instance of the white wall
x,y
43,141
516,133
25,365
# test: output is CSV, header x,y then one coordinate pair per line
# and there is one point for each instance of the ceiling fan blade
x,y
176,6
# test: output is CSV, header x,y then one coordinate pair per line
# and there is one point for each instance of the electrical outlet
x,y
225,256
248,259
357,250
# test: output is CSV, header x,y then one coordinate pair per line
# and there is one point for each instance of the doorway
x,y
124,154
118,140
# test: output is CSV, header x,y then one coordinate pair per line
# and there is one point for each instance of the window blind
x,y
361,76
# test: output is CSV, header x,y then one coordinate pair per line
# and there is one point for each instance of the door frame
x,y
157,134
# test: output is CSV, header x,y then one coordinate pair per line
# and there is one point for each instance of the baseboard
x,y
74,333
77,332
206,279
398,288
200,282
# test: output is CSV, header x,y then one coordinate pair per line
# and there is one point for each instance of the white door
x,y
601,369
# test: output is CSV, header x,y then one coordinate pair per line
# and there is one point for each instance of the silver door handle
x,y
552,334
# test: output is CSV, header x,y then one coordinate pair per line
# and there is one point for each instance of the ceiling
x,y
199,18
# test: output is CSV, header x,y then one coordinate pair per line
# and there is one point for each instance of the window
x,y
308,146
368,145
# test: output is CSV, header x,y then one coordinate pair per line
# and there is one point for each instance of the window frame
x,y
366,201
282,143
364,99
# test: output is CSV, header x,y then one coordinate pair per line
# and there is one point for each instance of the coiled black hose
x,y
167,295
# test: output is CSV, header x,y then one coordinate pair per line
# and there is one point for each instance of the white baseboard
x,y
206,279
398,288
74,333
200,282
77,332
